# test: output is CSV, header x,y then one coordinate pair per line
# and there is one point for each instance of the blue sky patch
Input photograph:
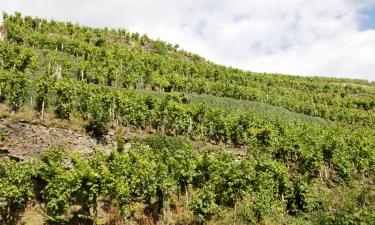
x,y
368,18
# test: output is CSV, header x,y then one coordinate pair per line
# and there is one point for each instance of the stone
x,y
31,141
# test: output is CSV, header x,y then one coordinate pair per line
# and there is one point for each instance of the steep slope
x,y
121,59
307,143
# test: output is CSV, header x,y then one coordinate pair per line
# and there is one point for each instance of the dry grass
x,y
28,115
32,215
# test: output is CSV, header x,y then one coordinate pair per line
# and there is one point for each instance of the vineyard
x,y
309,141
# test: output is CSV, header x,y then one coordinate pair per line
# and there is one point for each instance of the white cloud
x,y
302,37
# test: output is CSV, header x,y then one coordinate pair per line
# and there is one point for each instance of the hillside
x,y
192,141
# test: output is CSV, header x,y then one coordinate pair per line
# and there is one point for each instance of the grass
x,y
243,105
28,115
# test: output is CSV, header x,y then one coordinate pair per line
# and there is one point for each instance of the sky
x,y
299,37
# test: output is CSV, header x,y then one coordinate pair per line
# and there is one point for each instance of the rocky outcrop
x,y
24,140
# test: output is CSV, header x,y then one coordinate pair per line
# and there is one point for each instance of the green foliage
x,y
65,101
153,178
3,85
99,109
16,187
246,212
17,91
60,184
118,183
88,177
97,126
14,57
177,154
296,159
204,206
71,179
44,87
114,58
230,179
13,88
346,205
158,167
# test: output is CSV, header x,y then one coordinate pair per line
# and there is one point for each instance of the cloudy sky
x,y
301,37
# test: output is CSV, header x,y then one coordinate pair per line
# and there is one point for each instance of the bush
x,y
204,206
97,126
16,187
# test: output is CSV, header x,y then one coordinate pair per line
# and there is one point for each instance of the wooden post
x,y
42,115
186,195
235,214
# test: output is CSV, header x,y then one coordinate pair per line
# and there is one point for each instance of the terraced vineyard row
x,y
100,57
309,142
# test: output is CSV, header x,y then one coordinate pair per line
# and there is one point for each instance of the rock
x,y
111,132
28,141
127,146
